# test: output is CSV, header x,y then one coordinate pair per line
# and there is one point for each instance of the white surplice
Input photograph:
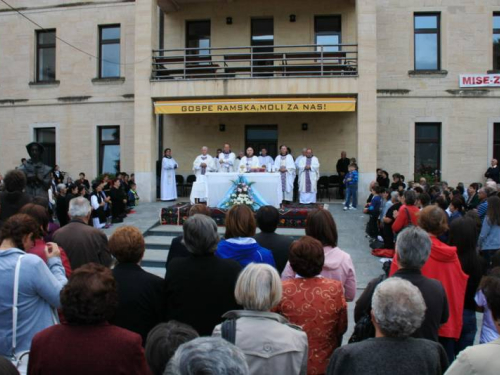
x,y
288,163
308,195
266,161
226,162
168,184
198,170
298,160
252,162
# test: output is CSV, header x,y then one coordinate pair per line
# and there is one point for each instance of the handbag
x,y
19,360
364,328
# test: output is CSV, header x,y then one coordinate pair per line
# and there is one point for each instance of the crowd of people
x,y
111,198
75,302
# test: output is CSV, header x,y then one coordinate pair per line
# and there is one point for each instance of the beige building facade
x,y
402,72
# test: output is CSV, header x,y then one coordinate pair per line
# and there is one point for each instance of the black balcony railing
x,y
256,62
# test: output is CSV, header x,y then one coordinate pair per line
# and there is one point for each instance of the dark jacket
x,y
176,250
139,299
11,203
493,173
117,202
279,246
199,290
83,244
81,350
434,296
62,210
385,355
343,165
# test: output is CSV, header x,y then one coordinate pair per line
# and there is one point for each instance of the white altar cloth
x,y
267,184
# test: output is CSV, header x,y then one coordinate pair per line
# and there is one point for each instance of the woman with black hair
x,y
86,342
463,234
489,239
14,197
456,208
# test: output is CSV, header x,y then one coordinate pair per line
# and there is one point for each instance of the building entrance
x,y
262,136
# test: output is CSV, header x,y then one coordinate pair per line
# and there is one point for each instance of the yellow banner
x,y
178,107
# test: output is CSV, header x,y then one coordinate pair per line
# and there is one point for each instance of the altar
x,y
267,184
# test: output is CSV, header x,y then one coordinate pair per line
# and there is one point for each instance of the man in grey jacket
x,y
82,243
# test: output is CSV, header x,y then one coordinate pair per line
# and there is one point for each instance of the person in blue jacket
x,y
238,242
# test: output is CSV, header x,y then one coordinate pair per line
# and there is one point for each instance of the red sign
x,y
480,80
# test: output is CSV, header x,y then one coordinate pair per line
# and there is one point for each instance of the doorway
x,y
47,138
262,136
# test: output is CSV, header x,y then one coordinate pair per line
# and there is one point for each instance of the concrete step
x,y
158,271
176,230
154,242
159,256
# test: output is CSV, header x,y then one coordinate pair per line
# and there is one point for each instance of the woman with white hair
x,y
398,309
207,355
271,345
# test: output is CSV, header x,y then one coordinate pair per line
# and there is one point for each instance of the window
x,y
327,31
427,44
496,41
198,36
45,55
47,138
109,51
109,149
496,140
427,149
262,34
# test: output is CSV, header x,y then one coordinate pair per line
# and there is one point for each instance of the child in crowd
x,y
351,184
133,197
373,210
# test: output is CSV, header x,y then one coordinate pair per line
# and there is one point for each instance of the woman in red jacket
x,y
40,214
87,343
407,213
443,265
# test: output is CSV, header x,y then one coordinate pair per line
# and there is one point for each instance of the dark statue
x,y
37,173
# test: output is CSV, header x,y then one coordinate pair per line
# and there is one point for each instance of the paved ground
x,y
350,226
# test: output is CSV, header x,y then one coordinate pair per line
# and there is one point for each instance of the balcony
x,y
216,63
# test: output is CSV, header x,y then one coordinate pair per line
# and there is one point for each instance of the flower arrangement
x,y
241,195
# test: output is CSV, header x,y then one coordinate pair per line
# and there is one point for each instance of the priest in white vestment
x,y
265,160
237,161
168,183
202,164
216,160
286,167
308,177
248,161
303,155
226,159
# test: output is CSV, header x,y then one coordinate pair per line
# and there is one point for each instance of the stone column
x,y
144,117
366,12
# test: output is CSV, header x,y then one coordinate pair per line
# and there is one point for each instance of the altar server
x,y
168,183
226,159
265,161
308,168
249,161
202,164
285,165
